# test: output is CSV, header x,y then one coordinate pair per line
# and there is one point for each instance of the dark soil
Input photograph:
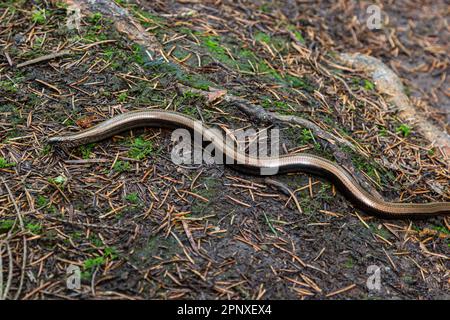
x,y
140,227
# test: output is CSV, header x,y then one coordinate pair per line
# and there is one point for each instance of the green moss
x,y
306,136
404,129
328,120
382,131
16,118
59,180
122,97
95,18
189,110
110,252
370,167
138,55
94,34
287,80
96,241
147,95
140,149
302,136
324,191
196,81
442,229
243,58
94,262
246,54
39,16
118,57
160,66
262,37
109,53
12,4
349,263
9,86
86,150
121,166
266,8
132,197
5,164
34,228
308,205
407,89
277,42
213,45
364,165
278,106
296,33
69,122
6,225
169,69
184,30
188,95
362,83
77,235
368,85
41,201
61,5
38,42
300,83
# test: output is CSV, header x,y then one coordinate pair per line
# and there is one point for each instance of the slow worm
x,y
309,163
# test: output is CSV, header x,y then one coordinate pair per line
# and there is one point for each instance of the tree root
x,y
327,139
126,24
122,20
389,83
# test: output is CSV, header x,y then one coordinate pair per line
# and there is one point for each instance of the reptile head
x,y
55,140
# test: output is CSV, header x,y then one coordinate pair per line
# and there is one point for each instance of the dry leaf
x,y
216,94
85,122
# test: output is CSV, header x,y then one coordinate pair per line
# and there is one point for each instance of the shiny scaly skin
x,y
252,165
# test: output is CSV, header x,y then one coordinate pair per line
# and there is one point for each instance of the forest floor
x,y
140,227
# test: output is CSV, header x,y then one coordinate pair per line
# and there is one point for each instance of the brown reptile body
x,y
254,165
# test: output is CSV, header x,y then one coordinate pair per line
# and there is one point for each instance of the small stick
x,y
49,85
189,235
9,59
285,189
44,58
341,290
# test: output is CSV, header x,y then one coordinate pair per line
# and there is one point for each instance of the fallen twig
x,y
44,58
390,84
